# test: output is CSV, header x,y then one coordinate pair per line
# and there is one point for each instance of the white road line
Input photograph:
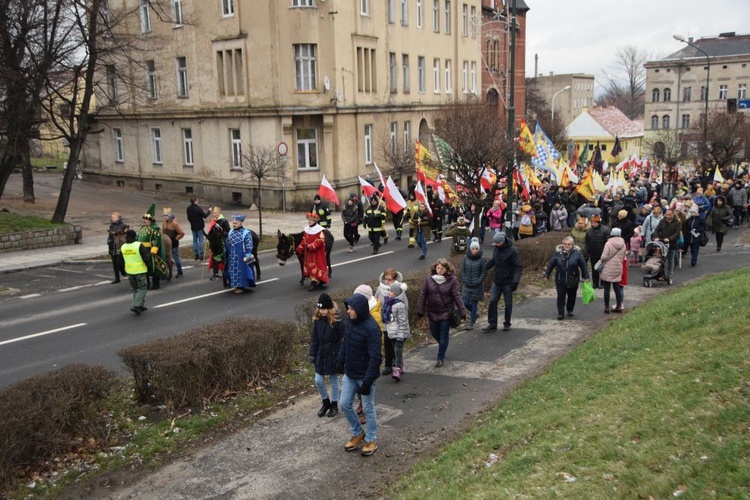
x,y
207,295
30,296
363,258
48,332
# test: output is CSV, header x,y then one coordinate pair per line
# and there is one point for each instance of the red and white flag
x,y
326,191
368,188
380,175
421,196
393,199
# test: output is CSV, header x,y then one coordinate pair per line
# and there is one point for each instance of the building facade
x,y
330,83
677,85
602,127
568,103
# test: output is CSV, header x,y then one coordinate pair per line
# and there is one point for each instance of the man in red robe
x,y
312,249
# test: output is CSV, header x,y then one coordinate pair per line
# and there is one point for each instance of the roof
x,y
720,46
604,122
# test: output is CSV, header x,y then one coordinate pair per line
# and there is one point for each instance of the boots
x,y
334,409
617,308
324,409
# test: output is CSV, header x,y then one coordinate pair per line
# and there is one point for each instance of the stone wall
x,y
41,238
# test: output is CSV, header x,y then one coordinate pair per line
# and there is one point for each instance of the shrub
x,y
192,369
52,414
536,252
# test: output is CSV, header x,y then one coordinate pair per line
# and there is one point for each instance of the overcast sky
x,y
581,36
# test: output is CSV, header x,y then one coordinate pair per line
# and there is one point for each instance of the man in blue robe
x,y
240,260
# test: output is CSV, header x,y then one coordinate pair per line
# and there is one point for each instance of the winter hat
x,y
325,301
694,209
396,288
616,231
316,197
131,236
365,290
474,244
622,214
499,237
526,208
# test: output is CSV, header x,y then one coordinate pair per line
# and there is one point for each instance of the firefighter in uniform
x,y
410,216
136,259
375,222
322,211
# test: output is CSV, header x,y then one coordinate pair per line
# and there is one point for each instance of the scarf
x,y
388,304
439,279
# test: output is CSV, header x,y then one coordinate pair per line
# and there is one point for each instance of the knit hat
x,y
365,290
316,197
474,244
499,237
131,236
616,231
151,212
622,214
693,209
325,302
396,288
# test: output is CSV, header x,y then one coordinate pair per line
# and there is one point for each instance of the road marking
x,y
48,332
72,288
30,296
207,295
363,258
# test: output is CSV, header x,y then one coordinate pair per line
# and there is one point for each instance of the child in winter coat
x,y
325,341
396,321
635,247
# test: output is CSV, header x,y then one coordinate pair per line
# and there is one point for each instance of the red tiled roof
x,y
616,123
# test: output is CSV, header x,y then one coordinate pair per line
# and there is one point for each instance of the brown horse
x,y
287,245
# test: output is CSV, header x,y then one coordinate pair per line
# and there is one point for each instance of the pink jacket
x,y
495,215
613,254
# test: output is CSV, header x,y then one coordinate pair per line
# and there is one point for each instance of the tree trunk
x,y
28,175
7,165
67,184
260,212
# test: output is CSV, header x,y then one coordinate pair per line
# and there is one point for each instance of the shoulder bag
x,y
454,318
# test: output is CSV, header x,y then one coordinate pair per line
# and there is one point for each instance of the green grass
x,y
14,223
657,402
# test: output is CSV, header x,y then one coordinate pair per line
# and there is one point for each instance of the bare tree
x,y
668,147
263,163
625,83
725,142
398,158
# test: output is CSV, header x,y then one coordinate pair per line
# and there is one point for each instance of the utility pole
x,y
511,122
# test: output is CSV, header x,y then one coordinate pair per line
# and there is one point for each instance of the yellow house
x,y
603,126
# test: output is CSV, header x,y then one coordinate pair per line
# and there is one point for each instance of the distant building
x,y
676,84
601,126
568,103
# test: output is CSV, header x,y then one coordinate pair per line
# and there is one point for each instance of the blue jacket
x,y
568,274
360,350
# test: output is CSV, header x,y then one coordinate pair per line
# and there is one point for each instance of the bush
x,y
192,369
52,414
536,252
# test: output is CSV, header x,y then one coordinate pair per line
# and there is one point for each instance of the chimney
x,y
551,73
536,65
690,39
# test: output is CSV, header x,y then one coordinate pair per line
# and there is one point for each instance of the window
x,y
187,146
436,15
667,94
364,7
307,148
421,77
474,77
151,80
420,14
404,12
654,122
230,72
493,54
177,18
156,145
304,63
407,137
366,66
394,137
448,77
742,91
227,8
465,20
405,71
447,13
685,121
302,3
723,91
655,95
235,141
473,22
665,122
182,77
703,93
368,144
112,84
145,13
604,147
393,72
119,149
465,78
686,94
436,75
391,11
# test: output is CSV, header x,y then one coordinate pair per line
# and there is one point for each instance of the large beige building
x,y
571,102
335,81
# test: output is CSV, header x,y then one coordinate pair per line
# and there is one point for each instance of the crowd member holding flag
x,y
436,212
322,211
395,202
412,207
351,220
375,223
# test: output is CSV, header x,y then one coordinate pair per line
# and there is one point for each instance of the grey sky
x,y
581,36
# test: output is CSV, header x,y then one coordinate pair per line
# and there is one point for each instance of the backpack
x,y
459,244
525,220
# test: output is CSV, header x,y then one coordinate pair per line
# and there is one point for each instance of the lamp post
x,y
511,120
682,39
567,87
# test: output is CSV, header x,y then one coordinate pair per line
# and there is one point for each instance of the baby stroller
x,y
659,274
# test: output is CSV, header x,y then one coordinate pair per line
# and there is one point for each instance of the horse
x,y
216,241
287,246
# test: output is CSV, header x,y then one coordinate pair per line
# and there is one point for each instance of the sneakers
x,y
354,443
489,328
469,326
617,309
439,363
396,375
136,310
386,371
421,257
570,314
369,448
559,317
351,249
506,327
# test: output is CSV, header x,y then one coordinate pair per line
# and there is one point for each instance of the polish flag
x,y
326,191
368,188
421,196
487,180
393,199
380,175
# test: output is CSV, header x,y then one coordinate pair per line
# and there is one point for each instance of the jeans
x,y
566,298
320,382
440,332
422,241
198,244
619,294
495,291
472,306
571,218
176,258
671,259
398,352
695,248
349,388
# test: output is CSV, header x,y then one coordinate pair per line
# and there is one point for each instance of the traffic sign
x,y
282,148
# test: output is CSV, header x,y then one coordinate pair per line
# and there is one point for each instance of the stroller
x,y
659,274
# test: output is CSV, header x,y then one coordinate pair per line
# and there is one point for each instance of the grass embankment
x,y
656,405
14,223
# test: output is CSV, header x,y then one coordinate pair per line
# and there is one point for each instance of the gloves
x,y
514,286
311,359
340,367
366,388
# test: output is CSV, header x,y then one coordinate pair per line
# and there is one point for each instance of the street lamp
x,y
682,39
567,87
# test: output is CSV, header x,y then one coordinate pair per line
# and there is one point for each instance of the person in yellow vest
x,y
410,216
136,260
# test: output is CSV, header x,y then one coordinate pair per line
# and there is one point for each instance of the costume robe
x,y
312,248
238,247
150,236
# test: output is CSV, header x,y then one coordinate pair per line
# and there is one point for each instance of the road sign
x,y
743,104
282,148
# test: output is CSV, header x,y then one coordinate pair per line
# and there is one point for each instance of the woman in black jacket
x,y
567,261
325,341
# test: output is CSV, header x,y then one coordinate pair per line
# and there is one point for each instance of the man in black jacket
x,y
596,238
508,269
668,232
195,215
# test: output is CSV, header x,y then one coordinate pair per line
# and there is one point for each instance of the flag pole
x,y
511,121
